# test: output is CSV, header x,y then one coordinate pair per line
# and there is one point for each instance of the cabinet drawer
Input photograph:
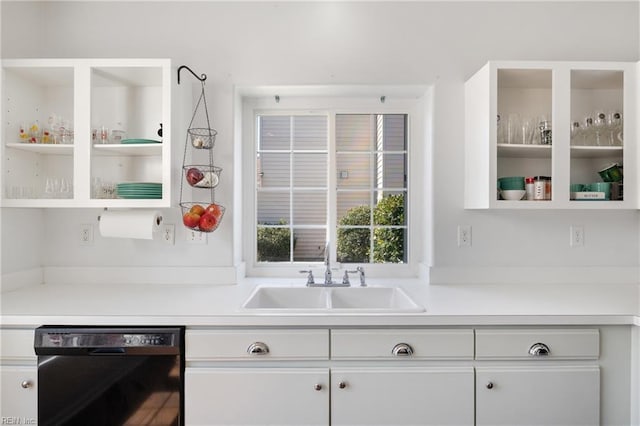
x,y
538,344
17,344
256,344
402,344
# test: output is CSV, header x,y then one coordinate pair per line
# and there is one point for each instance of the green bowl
x,y
511,183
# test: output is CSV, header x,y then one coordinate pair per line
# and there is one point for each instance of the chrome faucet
x,y
360,271
328,279
328,275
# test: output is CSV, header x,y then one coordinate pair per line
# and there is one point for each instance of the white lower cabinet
x,y
329,377
306,396
18,377
402,396
538,395
257,396
527,376
19,394
512,376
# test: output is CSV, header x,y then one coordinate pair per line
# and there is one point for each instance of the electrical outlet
x,y
196,237
576,236
86,234
464,235
169,233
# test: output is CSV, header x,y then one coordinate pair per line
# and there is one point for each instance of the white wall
x,y
298,43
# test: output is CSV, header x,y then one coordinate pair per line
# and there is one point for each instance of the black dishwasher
x,y
110,375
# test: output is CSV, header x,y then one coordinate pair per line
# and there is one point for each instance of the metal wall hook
x,y
202,77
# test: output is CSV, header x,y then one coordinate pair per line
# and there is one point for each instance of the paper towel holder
x,y
158,219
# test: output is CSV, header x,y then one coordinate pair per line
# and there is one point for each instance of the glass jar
x,y
542,188
545,132
529,186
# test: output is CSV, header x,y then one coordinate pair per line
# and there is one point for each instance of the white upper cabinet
x,y
569,126
84,133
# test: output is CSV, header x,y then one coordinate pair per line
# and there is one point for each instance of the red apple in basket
x,y
194,175
191,220
214,210
197,209
207,222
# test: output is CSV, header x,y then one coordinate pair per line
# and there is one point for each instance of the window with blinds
x,y
295,157
292,188
371,162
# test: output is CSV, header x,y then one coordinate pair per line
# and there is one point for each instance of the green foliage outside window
x,y
353,243
274,244
388,245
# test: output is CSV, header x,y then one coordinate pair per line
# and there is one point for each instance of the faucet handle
x,y
360,271
310,279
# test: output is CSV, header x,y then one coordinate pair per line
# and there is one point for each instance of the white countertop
x,y
195,305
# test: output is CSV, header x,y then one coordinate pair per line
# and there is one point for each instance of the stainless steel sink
x,y
331,300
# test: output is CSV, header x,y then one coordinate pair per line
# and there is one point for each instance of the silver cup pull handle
x,y
258,348
539,349
402,349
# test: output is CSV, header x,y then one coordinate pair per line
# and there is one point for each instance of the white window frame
x,y
414,105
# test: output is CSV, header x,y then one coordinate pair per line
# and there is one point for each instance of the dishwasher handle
x,y
107,351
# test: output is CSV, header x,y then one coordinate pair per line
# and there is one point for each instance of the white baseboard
x,y
533,275
14,280
141,275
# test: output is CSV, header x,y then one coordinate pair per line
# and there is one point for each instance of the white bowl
x,y
514,194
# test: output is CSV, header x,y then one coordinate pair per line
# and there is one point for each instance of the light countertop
x,y
195,305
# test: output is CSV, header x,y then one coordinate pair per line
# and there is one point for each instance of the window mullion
x,y
291,166
332,188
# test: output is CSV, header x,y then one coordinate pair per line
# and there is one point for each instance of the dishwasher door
x,y
110,376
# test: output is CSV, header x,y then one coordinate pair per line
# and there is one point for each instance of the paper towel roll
x,y
139,224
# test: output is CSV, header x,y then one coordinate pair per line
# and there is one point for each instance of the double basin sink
x,y
338,300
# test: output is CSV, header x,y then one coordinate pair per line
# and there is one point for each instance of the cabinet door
x,y
257,396
19,394
402,396
538,396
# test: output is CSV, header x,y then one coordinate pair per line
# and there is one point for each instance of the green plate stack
x,y
140,190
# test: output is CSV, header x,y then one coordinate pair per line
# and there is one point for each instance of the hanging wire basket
x,y
202,138
202,216
202,175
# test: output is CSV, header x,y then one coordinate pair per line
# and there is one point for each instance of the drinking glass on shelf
x,y
513,129
614,126
588,136
576,134
23,133
66,188
96,187
103,134
51,187
599,128
528,130
500,130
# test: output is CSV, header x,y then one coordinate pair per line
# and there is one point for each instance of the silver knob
x,y
318,387
402,349
342,385
490,385
26,384
539,349
258,348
